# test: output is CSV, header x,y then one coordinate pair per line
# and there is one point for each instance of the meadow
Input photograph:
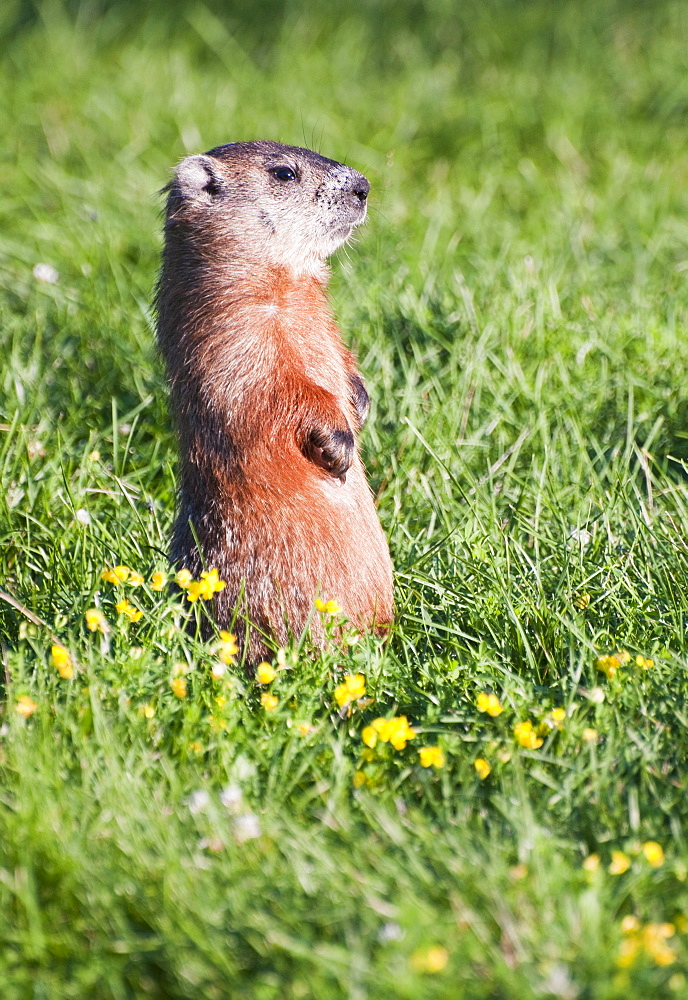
x,y
491,806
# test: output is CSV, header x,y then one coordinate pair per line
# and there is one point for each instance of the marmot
x,y
266,399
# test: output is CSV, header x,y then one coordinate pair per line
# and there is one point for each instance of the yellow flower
x,y
654,854
628,951
117,575
25,706
193,590
220,701
589,736
96,621
209,584
431,960
228,648
352,688
369,736
489,703
328,607
608,665
630,924
377,725
211,579
62,661
268,701
399,732
135,579
526,735
94,456
178,685
482,767
650,940
196,747
265,673
359,779
305,729
620,863
553,719
642,662
654,941
395,731
148,711
582,601
158,580
591,863
123,607
431,757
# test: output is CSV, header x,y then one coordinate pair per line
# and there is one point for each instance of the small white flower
x,y
243,769
230,797
218,670
580,536
14,495
390,932
198,801
46,273
82,516
246,827
213,844
558,983
596,695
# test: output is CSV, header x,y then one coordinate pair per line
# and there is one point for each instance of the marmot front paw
x,y
332,449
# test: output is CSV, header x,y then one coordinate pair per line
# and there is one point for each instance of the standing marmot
x,y
267,400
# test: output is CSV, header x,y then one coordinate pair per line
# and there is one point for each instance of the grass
x,y
518,302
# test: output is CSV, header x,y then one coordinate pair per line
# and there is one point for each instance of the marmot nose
x,y
360,186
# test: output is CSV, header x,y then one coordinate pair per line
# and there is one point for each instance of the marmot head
x,y
281,205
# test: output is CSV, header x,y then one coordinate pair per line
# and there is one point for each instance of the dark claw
x,y
331,449
360,397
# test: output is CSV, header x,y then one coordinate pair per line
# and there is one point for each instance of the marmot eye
x,y
283,173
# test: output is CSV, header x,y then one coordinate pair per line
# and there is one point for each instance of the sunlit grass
x,y
492,804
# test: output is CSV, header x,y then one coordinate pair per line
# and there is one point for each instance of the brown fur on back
x,y
267,400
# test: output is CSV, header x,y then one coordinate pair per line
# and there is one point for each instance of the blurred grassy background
x,y
518,303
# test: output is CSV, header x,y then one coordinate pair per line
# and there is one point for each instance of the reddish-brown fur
x,y
266,398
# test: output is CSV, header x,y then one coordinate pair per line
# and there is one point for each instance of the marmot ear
x,y
199,179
